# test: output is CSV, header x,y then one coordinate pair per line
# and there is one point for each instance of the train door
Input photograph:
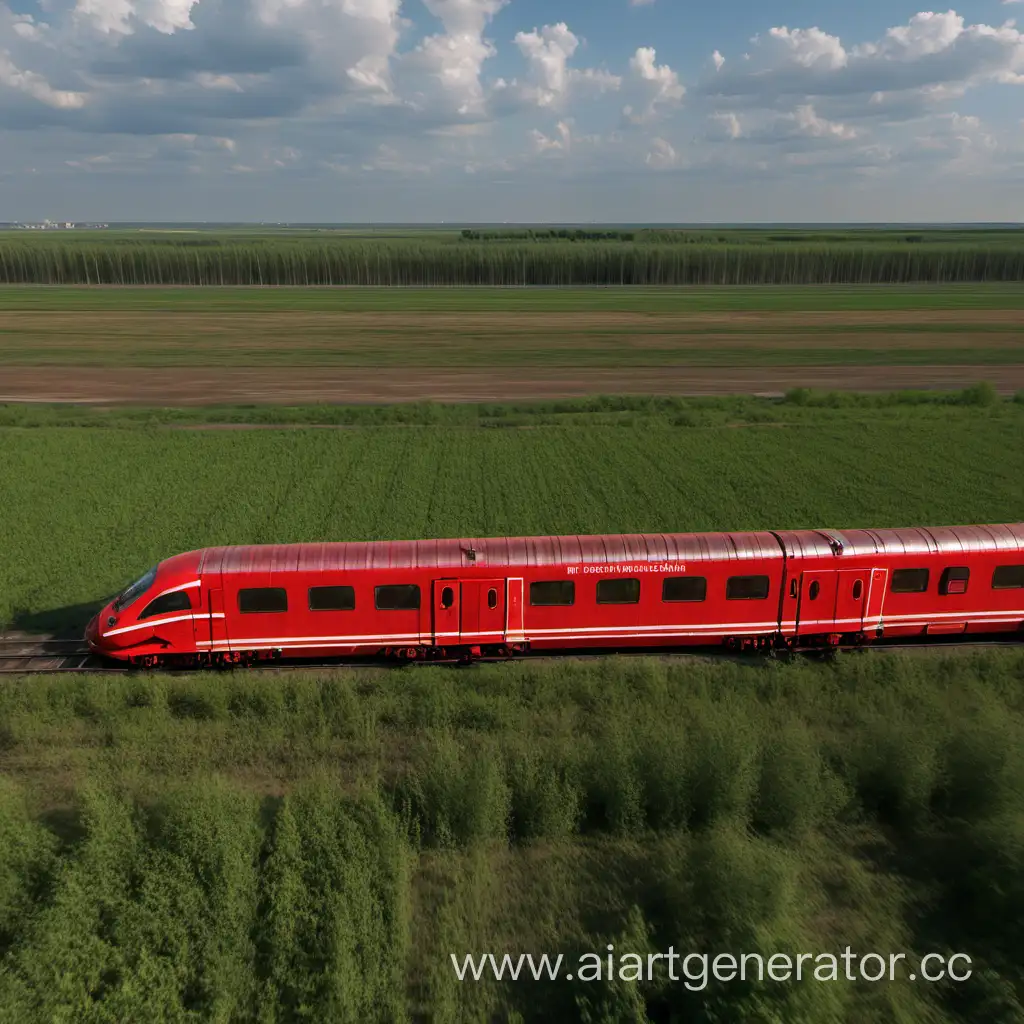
x,y
852,599
472,611
211,626
446,606
514,611
483,611
816,610
876,599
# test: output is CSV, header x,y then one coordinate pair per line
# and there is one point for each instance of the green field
x,y
754,298
86,510
511,257
314,847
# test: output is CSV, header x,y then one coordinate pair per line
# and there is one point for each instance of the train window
x,y
400,597
492,598
618,591
177,601
909,581
954,580
332,599
131,594
447,597
858,589
263,599
746,588
684,588
553,592
1008,577
814,590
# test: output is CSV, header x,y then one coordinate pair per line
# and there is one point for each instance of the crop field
x,y
469,257
97,498
316,847
649,300
296,345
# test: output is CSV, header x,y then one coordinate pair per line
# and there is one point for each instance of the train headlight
x,y
111,619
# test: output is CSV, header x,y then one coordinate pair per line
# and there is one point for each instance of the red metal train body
x,y
465,598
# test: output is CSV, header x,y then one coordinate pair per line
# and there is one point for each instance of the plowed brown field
x,y
189,357
289,386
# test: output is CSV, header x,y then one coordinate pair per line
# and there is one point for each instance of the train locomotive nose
x,y
92,631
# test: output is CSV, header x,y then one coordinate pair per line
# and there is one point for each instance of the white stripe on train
x,y
568,632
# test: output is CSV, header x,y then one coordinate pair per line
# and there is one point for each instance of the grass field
x,y
268,848
313,846
725,298
97,506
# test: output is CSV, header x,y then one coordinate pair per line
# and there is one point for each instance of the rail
x,y
21,656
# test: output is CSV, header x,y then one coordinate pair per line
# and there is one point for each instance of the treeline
x,y
737,236
554,234
550,264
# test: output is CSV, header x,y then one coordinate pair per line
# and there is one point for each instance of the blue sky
x,y
517,110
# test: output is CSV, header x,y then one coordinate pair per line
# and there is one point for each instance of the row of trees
x,y
552,264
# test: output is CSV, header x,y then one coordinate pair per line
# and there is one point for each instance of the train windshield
x,y
135,591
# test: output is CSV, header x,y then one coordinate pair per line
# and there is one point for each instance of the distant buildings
x,y
52,225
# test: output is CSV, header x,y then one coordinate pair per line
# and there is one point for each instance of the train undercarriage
x,y
772,645
398,655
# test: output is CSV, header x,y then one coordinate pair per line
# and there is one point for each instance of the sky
x,y
568,111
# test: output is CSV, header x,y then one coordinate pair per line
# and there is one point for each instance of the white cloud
x,y
34,85
462,17
210,81
543,144
24,26
726,125
658,87
929,50
119,16
661,155
807,48
548,52
801,125
443,71
331,87
808,123
549,81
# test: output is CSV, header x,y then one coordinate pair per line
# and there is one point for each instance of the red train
x,y
466,598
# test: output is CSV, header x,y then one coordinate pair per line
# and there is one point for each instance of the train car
x,y
502,596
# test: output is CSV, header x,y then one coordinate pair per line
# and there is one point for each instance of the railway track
x,y
20,656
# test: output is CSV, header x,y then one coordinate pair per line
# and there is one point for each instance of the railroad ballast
x,y
437,599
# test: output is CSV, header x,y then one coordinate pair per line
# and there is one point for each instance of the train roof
x,y
915,540
493,551
608,549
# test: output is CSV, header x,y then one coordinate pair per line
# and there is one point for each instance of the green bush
x,y
454,795
797,790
